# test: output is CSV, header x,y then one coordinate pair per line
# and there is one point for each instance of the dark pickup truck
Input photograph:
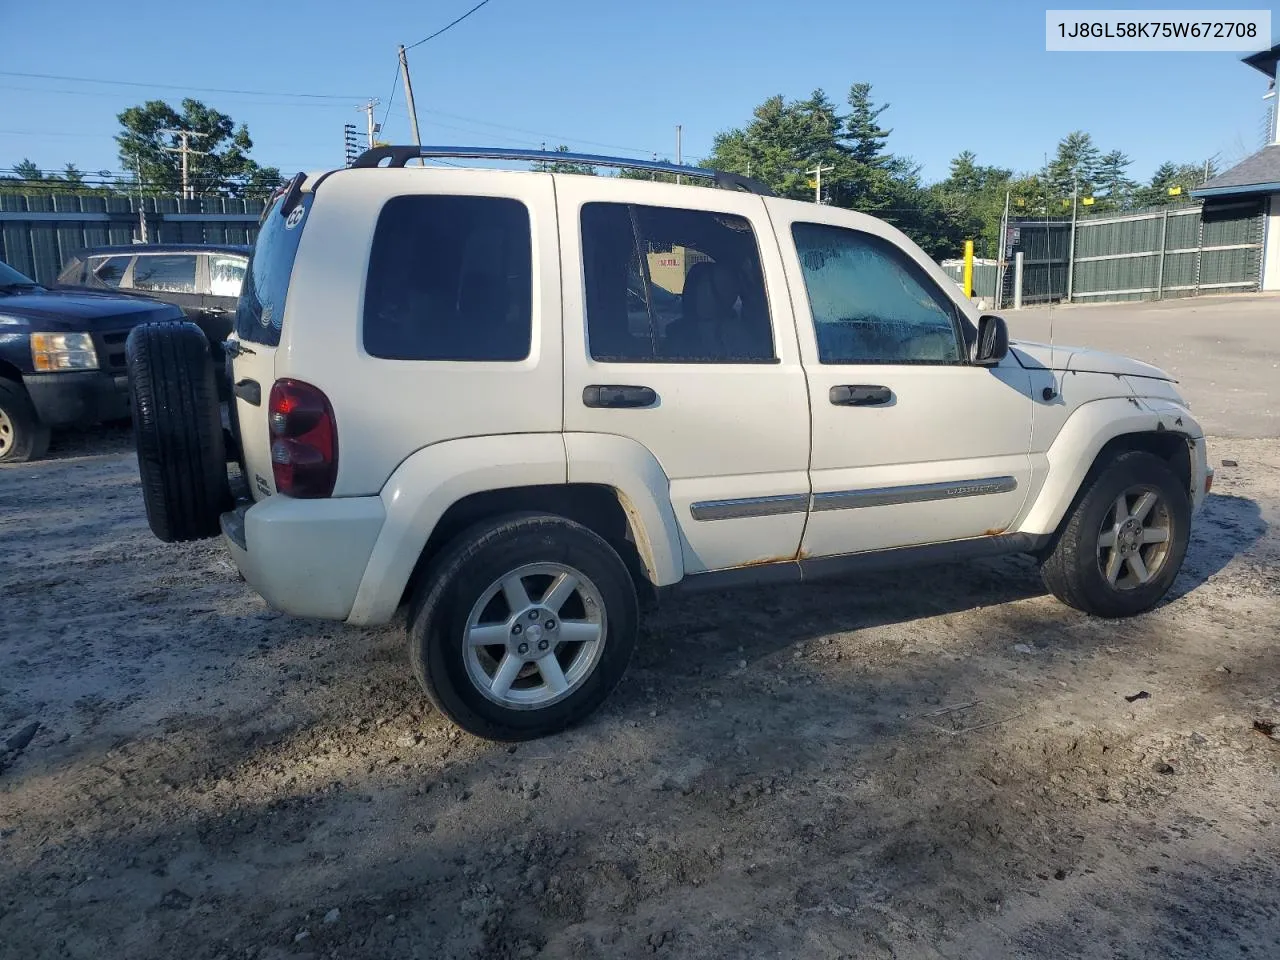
x,y
62,359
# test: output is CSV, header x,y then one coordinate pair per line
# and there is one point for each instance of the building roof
x,y
1264,61
1259,173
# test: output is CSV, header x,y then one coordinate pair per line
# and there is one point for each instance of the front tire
x,y
1121,548
523,626
22,436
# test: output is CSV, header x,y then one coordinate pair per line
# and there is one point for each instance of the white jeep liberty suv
x,y
519,402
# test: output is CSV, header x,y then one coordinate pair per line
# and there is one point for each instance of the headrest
x,y
710,292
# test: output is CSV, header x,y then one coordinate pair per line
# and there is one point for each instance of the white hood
x,y
1041,356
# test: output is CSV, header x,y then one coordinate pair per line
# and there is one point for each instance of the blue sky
x,y
611,77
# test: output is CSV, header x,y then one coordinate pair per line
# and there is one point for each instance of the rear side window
x,y
172,273
109,270
226,275
260,312
666,285
450,278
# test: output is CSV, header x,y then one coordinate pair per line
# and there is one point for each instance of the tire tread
x,y
429,603
177,430
1069,569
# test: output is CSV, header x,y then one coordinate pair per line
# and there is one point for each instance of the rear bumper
x,y
305,557
80,398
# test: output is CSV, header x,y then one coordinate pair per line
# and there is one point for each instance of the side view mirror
x,y
993,341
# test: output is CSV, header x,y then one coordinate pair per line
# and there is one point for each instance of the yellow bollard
x,y
968,268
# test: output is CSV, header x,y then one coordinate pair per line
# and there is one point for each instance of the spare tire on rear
x,y
177,428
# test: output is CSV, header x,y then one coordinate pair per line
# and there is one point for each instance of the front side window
x,y
665,285
870,302
108,271
226,275
450,278
166,273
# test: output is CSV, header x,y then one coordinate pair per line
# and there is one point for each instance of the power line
x,y
117,95
173,86
55,133
448,26
538,135
395,82
542,135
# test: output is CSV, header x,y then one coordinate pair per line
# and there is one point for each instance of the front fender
x,y
1090,428
425,485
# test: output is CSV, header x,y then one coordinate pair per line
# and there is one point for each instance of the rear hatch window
x,y
260,313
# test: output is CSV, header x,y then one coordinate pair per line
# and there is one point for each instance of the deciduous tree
x,y
147,143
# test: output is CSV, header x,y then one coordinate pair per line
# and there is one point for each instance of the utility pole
x,y
184,149
679,155
1002,253
142,215
1208,164
408,96
817,173
368,108
1071,246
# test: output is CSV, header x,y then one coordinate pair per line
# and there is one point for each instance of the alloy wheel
x,y
535,635
1133,543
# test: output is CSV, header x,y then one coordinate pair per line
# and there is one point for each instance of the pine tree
x,y
865,139
27,170
1074,166
1112,181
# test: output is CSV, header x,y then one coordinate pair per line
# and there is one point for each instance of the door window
x,y
166,273
109,270
450,278
226,275
870,302
665,285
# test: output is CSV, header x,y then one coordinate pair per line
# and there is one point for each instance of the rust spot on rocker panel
x,y
766,561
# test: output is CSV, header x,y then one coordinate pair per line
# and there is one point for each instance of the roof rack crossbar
x,y
401,155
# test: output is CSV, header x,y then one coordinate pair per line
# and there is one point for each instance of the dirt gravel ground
x,y
940,764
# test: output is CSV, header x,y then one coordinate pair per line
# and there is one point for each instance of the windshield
x,y
260,312
10,277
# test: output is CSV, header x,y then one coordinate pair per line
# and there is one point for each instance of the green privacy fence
x,y
38,233
1172,252
1175,251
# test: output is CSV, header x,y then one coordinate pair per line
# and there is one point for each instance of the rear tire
x,y
177,429
1120,549
532,581
22,436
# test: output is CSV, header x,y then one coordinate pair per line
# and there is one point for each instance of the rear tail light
x,y
304,440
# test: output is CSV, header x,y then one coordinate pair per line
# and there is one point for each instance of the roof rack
x,y
400,156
